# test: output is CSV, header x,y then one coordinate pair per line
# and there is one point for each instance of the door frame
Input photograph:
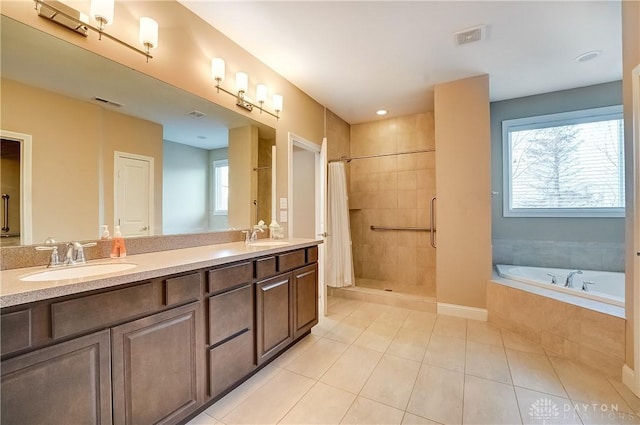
x,y
634,383
117,157
302,143
26,194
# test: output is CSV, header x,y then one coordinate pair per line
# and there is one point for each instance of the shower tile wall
x,y
393,191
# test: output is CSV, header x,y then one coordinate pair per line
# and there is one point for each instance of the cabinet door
x,y
305,299
274,319
66,383
157,367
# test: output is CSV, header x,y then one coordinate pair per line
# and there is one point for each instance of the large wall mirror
x,y
110,145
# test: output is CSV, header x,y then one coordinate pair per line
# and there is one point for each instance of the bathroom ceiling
x,y
357,57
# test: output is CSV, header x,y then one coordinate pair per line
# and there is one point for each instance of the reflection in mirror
x,y
86,110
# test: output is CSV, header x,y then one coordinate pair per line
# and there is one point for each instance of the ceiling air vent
x,y
470,35
108,102
196,114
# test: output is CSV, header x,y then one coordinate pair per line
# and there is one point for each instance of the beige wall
x,y
73,148
393,191
243,181
183,59
463,184
630,59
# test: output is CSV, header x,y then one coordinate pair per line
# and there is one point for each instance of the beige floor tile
x,y
323,404
364,411
586,385
223,406
271,402
538,408
376,337
348,330
411,419
598,414
317,359
325,324
483,332
437,395
534,371
409,344
392,381
446,351
420,321
364,312
487,361
451,326
203,419
352,369
489,402
292,353
342,306
395,317
632,400
516,342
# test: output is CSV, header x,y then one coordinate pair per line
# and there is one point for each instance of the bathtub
x,y
608,287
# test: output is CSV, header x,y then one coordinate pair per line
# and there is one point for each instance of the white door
x,y
133,194
307,194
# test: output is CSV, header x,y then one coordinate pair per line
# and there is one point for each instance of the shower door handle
x,y
432,227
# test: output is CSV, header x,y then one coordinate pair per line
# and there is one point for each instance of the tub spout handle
x,y
585,285
569,282
554,278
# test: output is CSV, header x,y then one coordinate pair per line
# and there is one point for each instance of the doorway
x,y
306,188
16,189
133,202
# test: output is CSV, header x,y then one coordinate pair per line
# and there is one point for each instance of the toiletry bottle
x,y
105,232
118,248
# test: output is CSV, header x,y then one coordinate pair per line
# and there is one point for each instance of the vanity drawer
x,y
182,289
291,260
230,362
265,267
230,313
312,254
94,311
228,277
15,331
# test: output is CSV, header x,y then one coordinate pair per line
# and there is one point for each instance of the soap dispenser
x,y
118,248
105,232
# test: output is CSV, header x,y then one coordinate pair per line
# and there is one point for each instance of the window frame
x,y
218,163
549,120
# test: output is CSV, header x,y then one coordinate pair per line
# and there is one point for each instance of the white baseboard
x,y
629,379
463,311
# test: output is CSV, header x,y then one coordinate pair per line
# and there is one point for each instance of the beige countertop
x,y
14,291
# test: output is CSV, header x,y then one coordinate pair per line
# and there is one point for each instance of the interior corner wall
x,y
243,158
463,187
630,59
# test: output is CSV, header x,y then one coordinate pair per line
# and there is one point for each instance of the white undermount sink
x,y
269,243
75,272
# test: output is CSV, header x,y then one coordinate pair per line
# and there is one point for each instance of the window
x,y
564,165
221,187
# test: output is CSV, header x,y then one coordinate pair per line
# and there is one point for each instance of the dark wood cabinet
x,y
305,299
274,325
69,382
155,367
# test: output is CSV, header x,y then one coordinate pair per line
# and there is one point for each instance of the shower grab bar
x,y
433,222
415,229
5,216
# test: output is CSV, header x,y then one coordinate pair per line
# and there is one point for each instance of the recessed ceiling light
x,y
381,112
587,56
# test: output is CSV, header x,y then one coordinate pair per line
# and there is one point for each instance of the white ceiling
x,y
357,57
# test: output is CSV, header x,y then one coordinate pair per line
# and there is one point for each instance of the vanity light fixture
x,y
102,12
242,86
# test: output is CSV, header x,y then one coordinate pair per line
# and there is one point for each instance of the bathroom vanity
x,y
156,343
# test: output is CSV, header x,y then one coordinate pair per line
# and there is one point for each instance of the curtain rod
x,y
344,158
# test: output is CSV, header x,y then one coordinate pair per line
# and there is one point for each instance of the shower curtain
x,y
339,265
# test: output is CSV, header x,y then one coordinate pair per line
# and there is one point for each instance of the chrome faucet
x,y
54,258
251,236
569,282
75,253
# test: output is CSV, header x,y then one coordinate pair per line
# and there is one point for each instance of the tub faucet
x,y
569,282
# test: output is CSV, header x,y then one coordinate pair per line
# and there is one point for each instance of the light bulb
x,y
148,32
217,69
277,102
242,82
261,93
102,11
